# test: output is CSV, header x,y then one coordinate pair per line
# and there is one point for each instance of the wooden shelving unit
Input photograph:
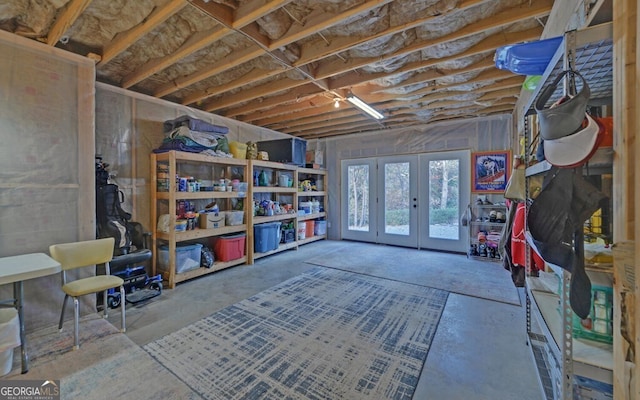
x,y
207,168
210,168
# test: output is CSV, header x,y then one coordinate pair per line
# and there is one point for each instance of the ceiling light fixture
x,y
336,103
353,99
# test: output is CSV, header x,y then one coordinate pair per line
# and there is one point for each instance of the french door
x,y
445,185
412,201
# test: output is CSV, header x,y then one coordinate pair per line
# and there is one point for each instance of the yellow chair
x,y
85,254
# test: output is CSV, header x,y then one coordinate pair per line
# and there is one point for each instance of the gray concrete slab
x,y
479,351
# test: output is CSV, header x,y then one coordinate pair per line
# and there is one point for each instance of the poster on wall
x,y
490,171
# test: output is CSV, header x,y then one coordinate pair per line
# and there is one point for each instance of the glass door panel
x,y
358,205
397,203
445,195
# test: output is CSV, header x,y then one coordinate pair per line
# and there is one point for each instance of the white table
x,y
16,270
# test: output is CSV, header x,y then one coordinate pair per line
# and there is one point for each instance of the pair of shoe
x,y
484,202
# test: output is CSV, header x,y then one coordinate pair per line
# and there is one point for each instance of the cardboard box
x,y
212,220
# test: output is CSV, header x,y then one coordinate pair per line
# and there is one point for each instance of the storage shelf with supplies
x,y
486,222
168,197
566,360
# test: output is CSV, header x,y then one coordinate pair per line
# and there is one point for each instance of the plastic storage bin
x,y
599,325
238,149
288,151
288,235
229,247
187,257
320,228
266,236
9,338
234,217
527,58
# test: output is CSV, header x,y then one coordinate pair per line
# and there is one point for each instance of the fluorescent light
x,y
351,98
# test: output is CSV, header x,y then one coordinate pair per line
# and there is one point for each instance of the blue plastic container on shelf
x,y
527,58
266,236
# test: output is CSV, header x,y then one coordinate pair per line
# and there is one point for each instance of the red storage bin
x,y
227,248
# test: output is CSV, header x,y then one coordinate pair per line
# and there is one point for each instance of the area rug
x,y
108,365
326,334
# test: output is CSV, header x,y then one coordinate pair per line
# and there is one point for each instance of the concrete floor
x,y
479,350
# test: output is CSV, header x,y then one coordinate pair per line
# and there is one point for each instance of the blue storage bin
x,y
266,236
527,58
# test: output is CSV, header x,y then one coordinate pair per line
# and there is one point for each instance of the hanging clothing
x,y
566,201
518,244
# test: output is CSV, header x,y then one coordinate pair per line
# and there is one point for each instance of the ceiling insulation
x,y
282,64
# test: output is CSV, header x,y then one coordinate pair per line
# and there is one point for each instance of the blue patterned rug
x,y
326,334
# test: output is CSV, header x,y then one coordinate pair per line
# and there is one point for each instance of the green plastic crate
x,y
600,316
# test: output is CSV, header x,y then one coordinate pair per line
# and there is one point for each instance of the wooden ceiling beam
x,y
197,42
66,18
323,120
320,122
399,122
215,105
250,11
435,74
285,112
316,51
289,109
227,62
254,92
319,20
235,84
261,103
378,97
251,30
123,40
538,8
245,14
219,12
489,44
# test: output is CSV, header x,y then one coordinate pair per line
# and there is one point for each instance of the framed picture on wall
x,y
490,171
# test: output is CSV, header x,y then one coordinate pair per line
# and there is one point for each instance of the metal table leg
x,y
18,297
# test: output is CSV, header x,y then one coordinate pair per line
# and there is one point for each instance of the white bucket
x,y
302,230
9,338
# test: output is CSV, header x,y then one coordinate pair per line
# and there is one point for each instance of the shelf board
x,y
486,223
488,206
200,195
600,163
272,218
312,193
274,189
312,171
273,165
183,156
311,216
311,239
484,258
202,233
281,247
217,266
590,359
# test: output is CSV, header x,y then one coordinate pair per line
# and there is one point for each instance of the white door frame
x,y
419,227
